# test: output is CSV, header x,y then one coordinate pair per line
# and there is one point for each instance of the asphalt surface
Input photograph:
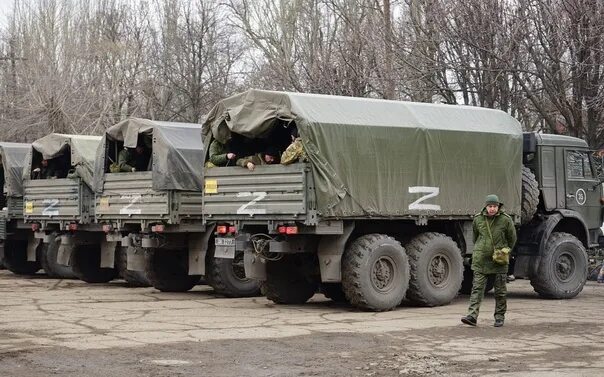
x,y
71,328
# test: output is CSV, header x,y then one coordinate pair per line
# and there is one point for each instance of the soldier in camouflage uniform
x,y
502,234
295,151
220,155
269,157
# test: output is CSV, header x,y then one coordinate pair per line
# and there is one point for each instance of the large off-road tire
x,y
15,258
530,195
133,278
168,270
436,269
86,264
562,271
48,259
333,291
375,272
288,281
227,277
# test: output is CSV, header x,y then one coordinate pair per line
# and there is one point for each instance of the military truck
x,y
59,206
14,233
154,211
381,208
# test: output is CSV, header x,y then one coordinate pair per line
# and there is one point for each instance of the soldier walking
x,y
494,231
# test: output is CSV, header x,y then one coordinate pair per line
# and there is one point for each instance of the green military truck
x,y
381,208
153,210
59,206
14,233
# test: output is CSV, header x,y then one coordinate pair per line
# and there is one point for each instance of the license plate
x,y
224,242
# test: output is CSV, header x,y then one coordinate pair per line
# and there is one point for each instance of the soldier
x,y
127,161
295,151
267,158
220,155
493,229
45,171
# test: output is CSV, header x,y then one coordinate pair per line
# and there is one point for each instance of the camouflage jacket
x,y
294,152
503,235
125,160
218,153
255,159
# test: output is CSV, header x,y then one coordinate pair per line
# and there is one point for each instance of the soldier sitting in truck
x,y
46,170
131,160
220,155
295,151
268,157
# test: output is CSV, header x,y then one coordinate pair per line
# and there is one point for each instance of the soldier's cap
x,y
492,199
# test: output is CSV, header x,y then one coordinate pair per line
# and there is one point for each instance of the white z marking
x,y
258,196
128,210
431,193
51,207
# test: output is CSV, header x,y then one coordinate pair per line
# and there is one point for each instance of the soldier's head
x,y
270,155
492,204
44,162
140,149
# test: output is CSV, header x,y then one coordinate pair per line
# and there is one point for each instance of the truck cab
x,y
570,208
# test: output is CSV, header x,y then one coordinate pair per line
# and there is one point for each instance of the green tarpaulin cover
x,y
384,158
13,161
83,151
177,159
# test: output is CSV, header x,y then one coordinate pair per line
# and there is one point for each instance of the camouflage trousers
x,y
478,288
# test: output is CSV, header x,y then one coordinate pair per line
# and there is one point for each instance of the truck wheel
x,y
227,277
287,281
333,291
133,278
168,270
86,262
48,260
15,258
562,271
375,272
530,195
436,267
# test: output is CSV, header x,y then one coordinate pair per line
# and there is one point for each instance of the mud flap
x,y
32,246
331,249
255,267
198,248
136,259
65,250
108,253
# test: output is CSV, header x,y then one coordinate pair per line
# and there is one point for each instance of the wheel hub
x,y
383,273
438,270
565,267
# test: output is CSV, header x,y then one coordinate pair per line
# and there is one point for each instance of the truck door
x,y
582,195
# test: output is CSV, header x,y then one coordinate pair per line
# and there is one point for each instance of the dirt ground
x,y
70,328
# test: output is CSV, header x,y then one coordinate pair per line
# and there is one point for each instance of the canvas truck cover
x,y
384,158
13,161
83,151
177,152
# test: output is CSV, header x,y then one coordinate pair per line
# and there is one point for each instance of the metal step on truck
x,y
58,205
148,179
14,233
378,209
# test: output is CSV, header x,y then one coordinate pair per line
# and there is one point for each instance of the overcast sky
x,y
5,7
